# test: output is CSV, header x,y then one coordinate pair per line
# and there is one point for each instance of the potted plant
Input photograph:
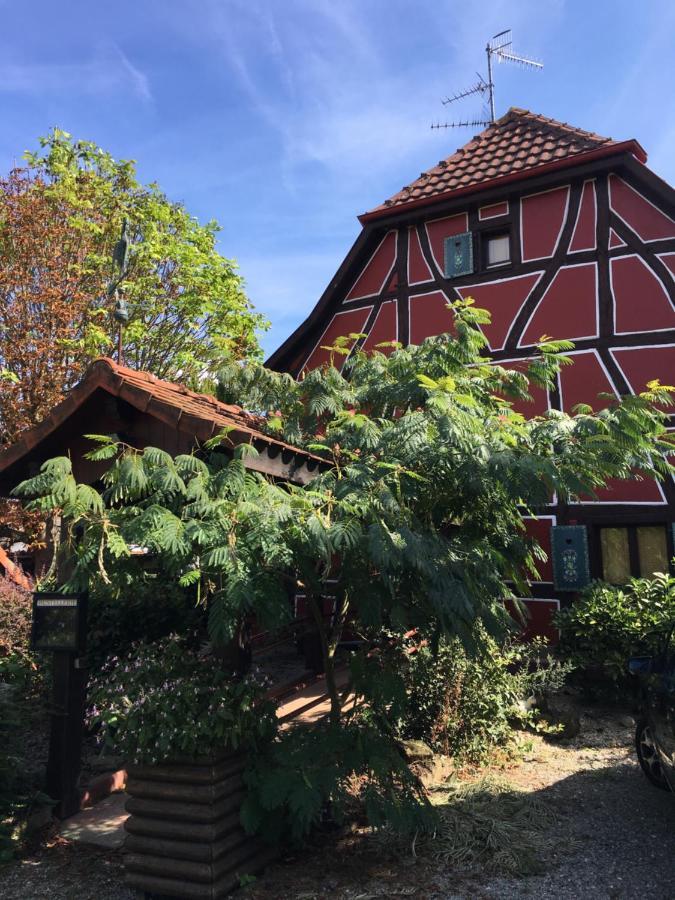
x,y
185,727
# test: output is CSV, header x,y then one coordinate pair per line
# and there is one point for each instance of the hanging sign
x,y
59,622
571,570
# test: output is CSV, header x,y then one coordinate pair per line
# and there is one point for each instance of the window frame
x,y
633,549
486,235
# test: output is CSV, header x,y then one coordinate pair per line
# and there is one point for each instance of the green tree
x,y
60,218
416,521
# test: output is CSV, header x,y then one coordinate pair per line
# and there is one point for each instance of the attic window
x,y
497,250
458,255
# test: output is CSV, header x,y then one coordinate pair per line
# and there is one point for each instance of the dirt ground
x,y
614,837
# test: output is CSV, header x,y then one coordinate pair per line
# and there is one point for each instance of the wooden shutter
x,y
458,255
571,570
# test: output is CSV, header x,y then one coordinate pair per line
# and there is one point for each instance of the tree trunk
x,y
328,652
235,655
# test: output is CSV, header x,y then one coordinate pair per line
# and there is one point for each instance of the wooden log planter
x,y
184,838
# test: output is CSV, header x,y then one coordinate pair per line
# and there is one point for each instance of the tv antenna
x,y
500,48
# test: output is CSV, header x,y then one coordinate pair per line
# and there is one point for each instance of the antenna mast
x,y
499,47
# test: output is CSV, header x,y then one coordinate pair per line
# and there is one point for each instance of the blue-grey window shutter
x,y
571,570
458,255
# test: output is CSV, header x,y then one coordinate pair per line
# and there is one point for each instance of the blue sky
x,y
284,120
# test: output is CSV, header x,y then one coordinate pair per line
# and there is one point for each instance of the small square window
x,y
497,250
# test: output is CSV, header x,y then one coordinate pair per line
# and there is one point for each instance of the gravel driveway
x,y
615,838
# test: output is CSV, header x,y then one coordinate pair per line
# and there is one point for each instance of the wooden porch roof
x,y
198,415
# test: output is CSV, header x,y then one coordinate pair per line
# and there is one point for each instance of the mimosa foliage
x,y
428,473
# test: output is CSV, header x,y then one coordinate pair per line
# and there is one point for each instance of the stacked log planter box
x,y
184,838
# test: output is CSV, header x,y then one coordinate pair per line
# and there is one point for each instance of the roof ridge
x,y
120,369
174,387
517,142
555,123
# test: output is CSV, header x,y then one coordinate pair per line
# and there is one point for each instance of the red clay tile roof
x,y
519,141
198,414
205,406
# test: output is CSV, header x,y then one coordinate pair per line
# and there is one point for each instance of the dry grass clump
x,y
488,824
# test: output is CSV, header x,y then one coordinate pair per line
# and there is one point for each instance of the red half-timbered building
x,y
556,231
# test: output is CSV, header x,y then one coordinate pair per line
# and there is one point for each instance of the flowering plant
x,y
164,700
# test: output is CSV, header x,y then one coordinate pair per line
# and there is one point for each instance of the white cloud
x,y
332,92
109,70
139,79
317,105
323,78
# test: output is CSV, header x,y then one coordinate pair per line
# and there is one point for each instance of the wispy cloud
x,y
139,80
107,71
307,85
324,79
347,96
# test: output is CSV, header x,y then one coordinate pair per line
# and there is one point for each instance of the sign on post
x,y
59,622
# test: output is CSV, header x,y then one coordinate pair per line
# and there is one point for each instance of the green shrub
x,y
465,703
21,687
166,700
312,771
608,624
458,703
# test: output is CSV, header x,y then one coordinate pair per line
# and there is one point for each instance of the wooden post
x,y
65,738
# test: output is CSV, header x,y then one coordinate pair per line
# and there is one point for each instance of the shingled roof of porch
x,y
199,415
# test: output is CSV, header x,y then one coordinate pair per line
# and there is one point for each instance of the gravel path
x,y
66,872
615,836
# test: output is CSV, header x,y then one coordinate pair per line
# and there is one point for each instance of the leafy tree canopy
x,y
415,522
60,218
429,471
